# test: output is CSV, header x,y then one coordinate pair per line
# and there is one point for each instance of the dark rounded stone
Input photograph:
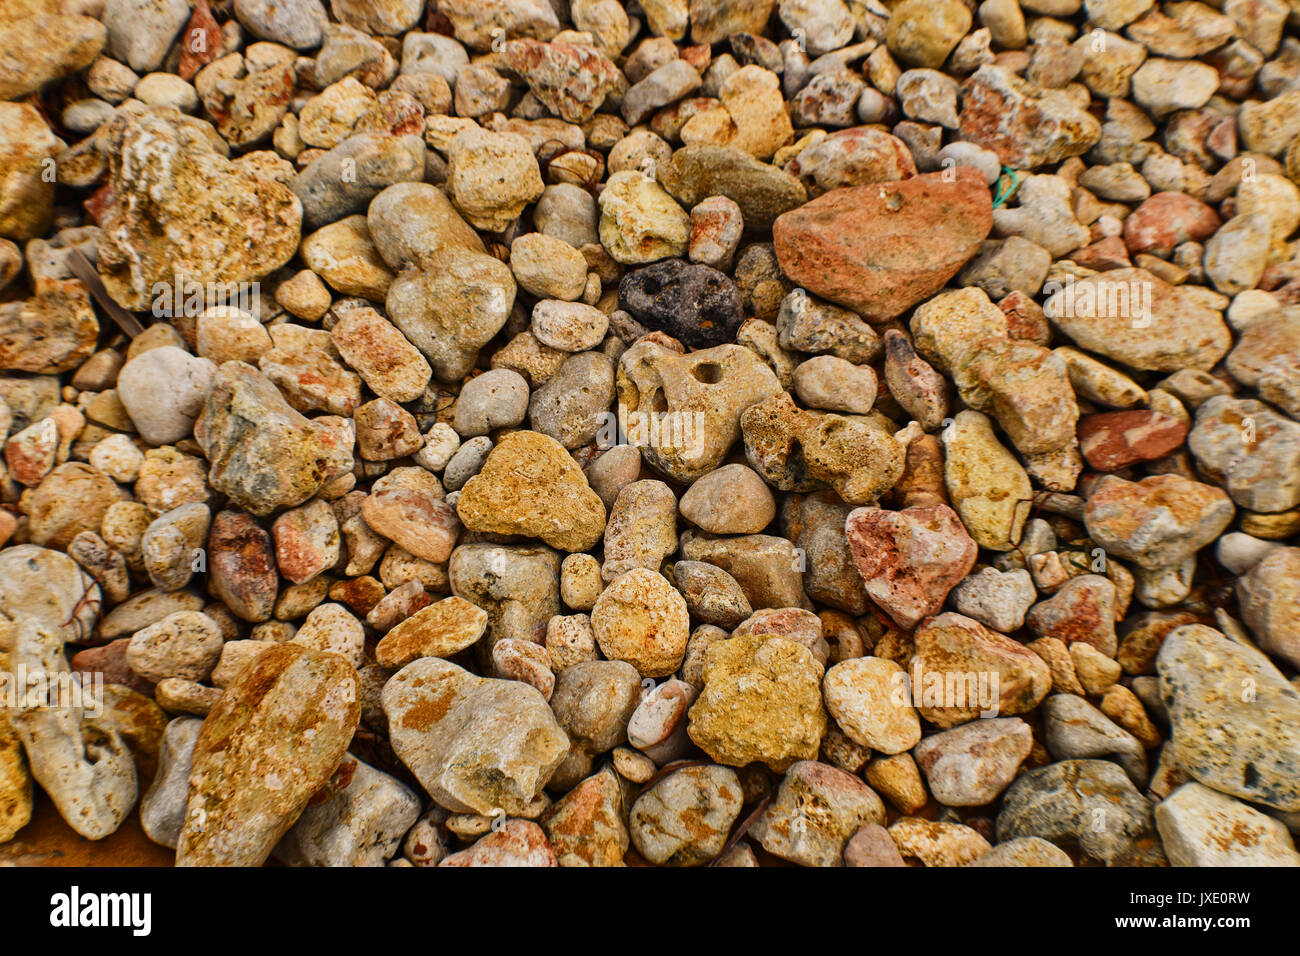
x,y
695,304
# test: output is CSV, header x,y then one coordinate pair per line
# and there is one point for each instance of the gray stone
x,y
162,808
1090,805
357,819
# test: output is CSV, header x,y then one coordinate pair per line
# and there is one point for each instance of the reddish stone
x,y
201,41
910,559
1026,126
1167,220
306,541
359,595
1108,253
1113,440
1025,318
110,660
241,566
1082,610
99,202
697,56
397,606
571,80
880,249
517,843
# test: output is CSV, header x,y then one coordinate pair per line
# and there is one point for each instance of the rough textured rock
x,y
1233,716
264,455
761,701
182,212
476,745
251,776
859,245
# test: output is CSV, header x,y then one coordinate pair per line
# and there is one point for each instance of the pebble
x,y
438,712
389,364
517,843
698,171
812,248
164,390
1075,729
716,228
586,827
186,645
872,845
264,455
539,481
442,629
162,806
639,221
816,810
864,696
805,450
712,595
593,701
92,795
1268,597
248,782
518,586
1024,851
1202,827
937,843
684,819
761,701
548,267
642,619
568,326
242,566
1082,610
1088,804
970,765
491,177
332,628
495,399
950,644
1251,449
988,486
1208,681
1026,126
731,500
357,819
1158,521
910,559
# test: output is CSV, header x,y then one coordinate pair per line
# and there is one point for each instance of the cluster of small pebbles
x,y
653,432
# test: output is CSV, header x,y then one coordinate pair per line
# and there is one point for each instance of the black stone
x,y
695,304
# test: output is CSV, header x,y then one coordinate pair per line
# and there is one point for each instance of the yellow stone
x,y
439,630
987,484
762,700
531,486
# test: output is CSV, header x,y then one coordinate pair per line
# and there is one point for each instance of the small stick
x,y
84,271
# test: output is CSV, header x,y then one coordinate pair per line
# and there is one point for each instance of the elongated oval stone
x,y
273,739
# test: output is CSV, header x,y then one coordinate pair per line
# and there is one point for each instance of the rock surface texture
x,y
657,433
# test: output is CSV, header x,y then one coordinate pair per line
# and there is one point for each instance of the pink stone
x,y
1166,220
516,843
910,559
